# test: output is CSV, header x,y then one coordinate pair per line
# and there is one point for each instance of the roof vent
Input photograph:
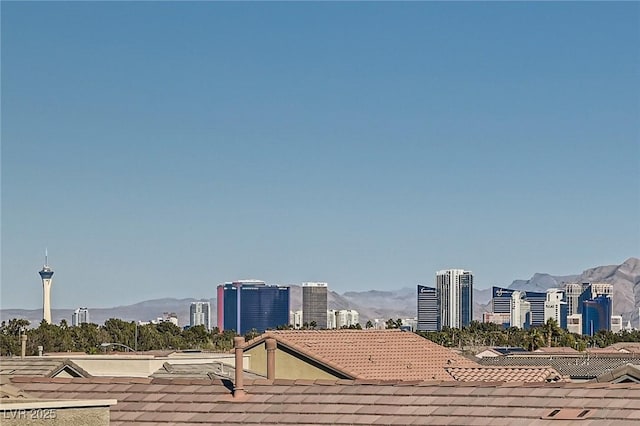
x,y
568,414
583,413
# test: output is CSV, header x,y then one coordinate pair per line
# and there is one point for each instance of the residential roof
x,y
529,374
577,366
210,370
506,350
371,354
628,347
39,366
9,391
556,350
623,374
330,402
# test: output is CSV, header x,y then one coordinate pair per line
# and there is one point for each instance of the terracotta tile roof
x,y
577,366
505,374
190,402
371,354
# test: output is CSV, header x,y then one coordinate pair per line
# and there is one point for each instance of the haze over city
x,y
160,149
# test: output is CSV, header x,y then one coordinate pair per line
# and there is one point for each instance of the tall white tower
x,y
46,273
455,293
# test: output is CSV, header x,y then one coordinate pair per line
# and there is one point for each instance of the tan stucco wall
x,y
287,366
63,373
94,416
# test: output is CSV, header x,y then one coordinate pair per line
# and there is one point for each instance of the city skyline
x,y
159,149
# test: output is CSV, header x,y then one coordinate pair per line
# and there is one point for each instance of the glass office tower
x,y
249,305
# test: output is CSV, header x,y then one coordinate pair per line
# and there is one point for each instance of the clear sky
x,y
159,149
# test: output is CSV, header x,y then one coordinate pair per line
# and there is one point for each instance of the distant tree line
x,y
89,338
479,334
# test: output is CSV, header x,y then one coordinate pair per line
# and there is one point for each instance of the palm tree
x,y
533,339
550,329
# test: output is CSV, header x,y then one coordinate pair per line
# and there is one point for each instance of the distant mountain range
x,y
374,303
624,277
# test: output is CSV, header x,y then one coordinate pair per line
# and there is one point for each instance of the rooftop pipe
x,y
238,388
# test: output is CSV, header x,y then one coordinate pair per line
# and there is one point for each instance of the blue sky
x,y
159,149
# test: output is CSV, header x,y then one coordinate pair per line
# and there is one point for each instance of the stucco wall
x,y
288,366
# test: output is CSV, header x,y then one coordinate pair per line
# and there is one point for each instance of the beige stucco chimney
x,y
23,344
238,388
271,345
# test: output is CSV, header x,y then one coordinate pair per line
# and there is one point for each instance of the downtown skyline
x,y
160,149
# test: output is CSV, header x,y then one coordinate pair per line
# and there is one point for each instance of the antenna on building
x,y
46,257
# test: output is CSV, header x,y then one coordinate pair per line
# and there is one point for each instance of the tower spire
x,y
46,273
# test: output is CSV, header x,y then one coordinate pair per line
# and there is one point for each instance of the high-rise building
x,y
572,294
556,308
332,319
590,307
501,300
314,304
520,310
200,314
295,319
428,309
537,301
455,292
601,289
345,318
576,293
252,305
80,316
616,323
596,315
46,274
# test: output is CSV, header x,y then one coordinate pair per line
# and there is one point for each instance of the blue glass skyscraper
x,y
249,305
466,299
596,315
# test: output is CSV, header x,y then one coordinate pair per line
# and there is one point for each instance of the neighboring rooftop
x,y
40,366
215,370
499,351
370,354
577,366
625,347
556,350
506,374
628,373
331,402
